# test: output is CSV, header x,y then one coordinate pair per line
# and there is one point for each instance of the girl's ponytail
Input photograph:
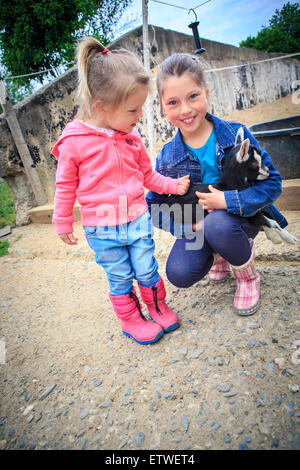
x,y
105,75
87,49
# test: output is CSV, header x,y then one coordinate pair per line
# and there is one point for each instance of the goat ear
x,y
239,136
243,154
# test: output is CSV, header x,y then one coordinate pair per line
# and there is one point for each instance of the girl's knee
x,y
183,275
217,224
178,280
177,275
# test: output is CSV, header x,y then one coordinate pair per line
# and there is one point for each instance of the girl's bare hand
x,y
183,185
198,226
213,200
68,238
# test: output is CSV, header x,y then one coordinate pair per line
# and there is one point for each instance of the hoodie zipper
x,y
119,169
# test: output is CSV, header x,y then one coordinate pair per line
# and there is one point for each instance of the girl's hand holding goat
x,y
213,200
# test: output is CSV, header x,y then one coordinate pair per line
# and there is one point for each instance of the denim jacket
x,y
175,160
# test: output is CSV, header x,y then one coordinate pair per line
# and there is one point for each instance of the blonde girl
x,y
103,162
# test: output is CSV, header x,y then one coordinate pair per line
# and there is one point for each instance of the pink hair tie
x,y
105,51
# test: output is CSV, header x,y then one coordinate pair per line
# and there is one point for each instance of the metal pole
x,y
146,37
149,101
21,145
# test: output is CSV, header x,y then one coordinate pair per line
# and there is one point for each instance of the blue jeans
x,y
224,233
125,252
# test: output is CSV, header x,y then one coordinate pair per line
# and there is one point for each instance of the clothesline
x,y
33,73
182,8
252,63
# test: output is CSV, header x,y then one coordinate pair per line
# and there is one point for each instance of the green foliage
x,y
7,206
18,92
38,35
4,244
282,34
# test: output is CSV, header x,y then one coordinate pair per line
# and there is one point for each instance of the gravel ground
x,y
71,380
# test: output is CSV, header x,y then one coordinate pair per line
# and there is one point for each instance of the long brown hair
x,y
110,77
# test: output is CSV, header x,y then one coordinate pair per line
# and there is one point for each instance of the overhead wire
x,y
170,4
33,73
178,6
248,64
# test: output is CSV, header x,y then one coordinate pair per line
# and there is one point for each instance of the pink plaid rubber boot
x,y
133,323
220,270
247,292
154,298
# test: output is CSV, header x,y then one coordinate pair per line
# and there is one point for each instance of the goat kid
x,y
243,167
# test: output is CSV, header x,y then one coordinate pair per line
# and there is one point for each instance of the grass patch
x,y
7,213
4,247
7,206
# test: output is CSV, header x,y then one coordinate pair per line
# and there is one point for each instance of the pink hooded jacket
x,y
107,175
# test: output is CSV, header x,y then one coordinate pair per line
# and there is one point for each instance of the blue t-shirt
x,y
206,155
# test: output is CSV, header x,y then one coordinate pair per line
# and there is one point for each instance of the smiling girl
x,y
200,148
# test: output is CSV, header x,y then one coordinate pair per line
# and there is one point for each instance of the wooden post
x,y
149,102
21,145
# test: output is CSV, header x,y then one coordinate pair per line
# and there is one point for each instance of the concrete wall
x,y
43,115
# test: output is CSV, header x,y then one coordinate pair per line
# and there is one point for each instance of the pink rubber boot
x,y
220,270
154,298
247,292
133,322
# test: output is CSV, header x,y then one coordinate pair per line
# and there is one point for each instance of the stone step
x,y
290,197
43,214
289,201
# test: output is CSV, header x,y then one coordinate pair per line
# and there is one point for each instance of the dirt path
x,y
279,109
71,380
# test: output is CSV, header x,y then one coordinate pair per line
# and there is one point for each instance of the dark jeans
x,y
224,233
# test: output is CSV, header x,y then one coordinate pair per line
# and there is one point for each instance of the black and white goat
x,y
243,167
